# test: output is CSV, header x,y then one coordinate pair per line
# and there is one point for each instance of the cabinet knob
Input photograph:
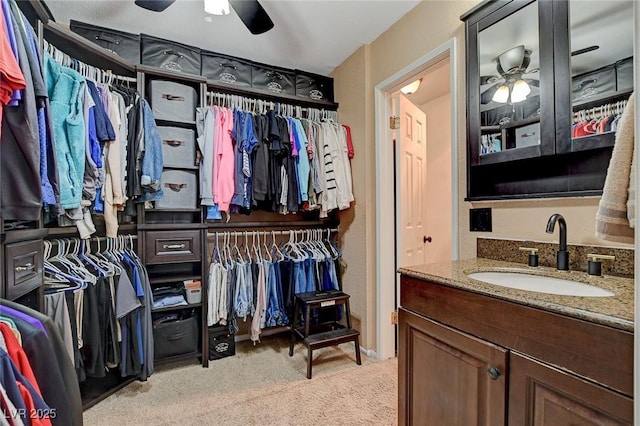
x,y
426,239
493,373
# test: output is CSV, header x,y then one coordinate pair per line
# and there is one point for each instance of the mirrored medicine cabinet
x,y
546,83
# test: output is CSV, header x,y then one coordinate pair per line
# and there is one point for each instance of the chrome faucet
x,y
562,257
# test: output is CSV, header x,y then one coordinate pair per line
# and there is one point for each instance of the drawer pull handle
x,y
27,267
170,97
107,39
173,143
176,187
173,246
494,373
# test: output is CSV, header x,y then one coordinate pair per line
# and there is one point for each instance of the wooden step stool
x,y
330,333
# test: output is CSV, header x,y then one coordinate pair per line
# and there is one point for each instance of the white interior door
x,y
411,173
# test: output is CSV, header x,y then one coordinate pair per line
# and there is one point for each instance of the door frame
x,y
385,252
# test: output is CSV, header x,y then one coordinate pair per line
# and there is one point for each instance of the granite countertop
x,y
615,311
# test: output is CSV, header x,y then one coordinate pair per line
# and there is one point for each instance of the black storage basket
x,y
314,86
223,69
125,45
169,55
280,81
594,84
221,343
175,337
624,74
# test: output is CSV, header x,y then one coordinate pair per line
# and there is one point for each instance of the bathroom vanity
x,y
476,353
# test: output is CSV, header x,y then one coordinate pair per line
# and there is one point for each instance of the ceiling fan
x,y
514,79
250,12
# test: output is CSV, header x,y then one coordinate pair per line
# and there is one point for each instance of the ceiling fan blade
x,y
154,5
252,15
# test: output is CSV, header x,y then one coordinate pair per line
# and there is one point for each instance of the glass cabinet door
x,y
599,58
514,75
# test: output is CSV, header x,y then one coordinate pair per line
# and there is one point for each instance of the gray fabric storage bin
x,y
123,44
178,146
624,74
273,79
169,55
173,101
179,188
314,86
594,84
224,69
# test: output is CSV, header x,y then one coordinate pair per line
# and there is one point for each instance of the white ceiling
x,y
312,35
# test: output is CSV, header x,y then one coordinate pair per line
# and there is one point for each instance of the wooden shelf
x,y
165,279
170,74
177,357
600,140
176,308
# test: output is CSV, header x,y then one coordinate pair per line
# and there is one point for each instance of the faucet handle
x,y
533,255
594,266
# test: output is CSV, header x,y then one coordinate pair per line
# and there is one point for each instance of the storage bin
x,y
179,188
173,101
178,146
125,45
175,337
314,86
223,69
169,55
221,343
597,83
273,79
624,74
193,292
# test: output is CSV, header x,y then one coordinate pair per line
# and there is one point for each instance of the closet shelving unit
x,y
173,243
173,240
599,140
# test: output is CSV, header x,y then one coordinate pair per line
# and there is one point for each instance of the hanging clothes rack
x,y
88,71
261,106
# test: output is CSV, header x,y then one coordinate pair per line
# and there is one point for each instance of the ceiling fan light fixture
x,y
411,87
520,91
501,95
216,7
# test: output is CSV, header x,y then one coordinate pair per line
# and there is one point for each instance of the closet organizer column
x,y
171,227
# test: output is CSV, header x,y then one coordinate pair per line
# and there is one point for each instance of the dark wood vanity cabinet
x,y
537,73
466,358
448,377
540,394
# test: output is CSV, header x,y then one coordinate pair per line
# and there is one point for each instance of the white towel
x,y
612,222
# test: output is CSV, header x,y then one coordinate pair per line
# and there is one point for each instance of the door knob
x,y
426,239
494,373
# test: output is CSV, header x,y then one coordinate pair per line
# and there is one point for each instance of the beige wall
x,y
430,24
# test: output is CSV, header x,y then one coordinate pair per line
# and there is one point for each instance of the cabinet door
x,y
542,395
447,377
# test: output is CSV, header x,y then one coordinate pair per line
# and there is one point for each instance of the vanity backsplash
x,y
509,251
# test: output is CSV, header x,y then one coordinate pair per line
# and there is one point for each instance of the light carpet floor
x,y
260,385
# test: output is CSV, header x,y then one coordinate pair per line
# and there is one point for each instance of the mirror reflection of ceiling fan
x,y
514,79
250,12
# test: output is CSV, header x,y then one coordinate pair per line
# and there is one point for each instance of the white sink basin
x,y
540,284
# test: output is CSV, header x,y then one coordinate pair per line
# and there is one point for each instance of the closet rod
x,y
84,69
268,233
284,224
230,100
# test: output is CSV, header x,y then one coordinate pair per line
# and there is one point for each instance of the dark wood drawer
x,y
172,246
23,263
